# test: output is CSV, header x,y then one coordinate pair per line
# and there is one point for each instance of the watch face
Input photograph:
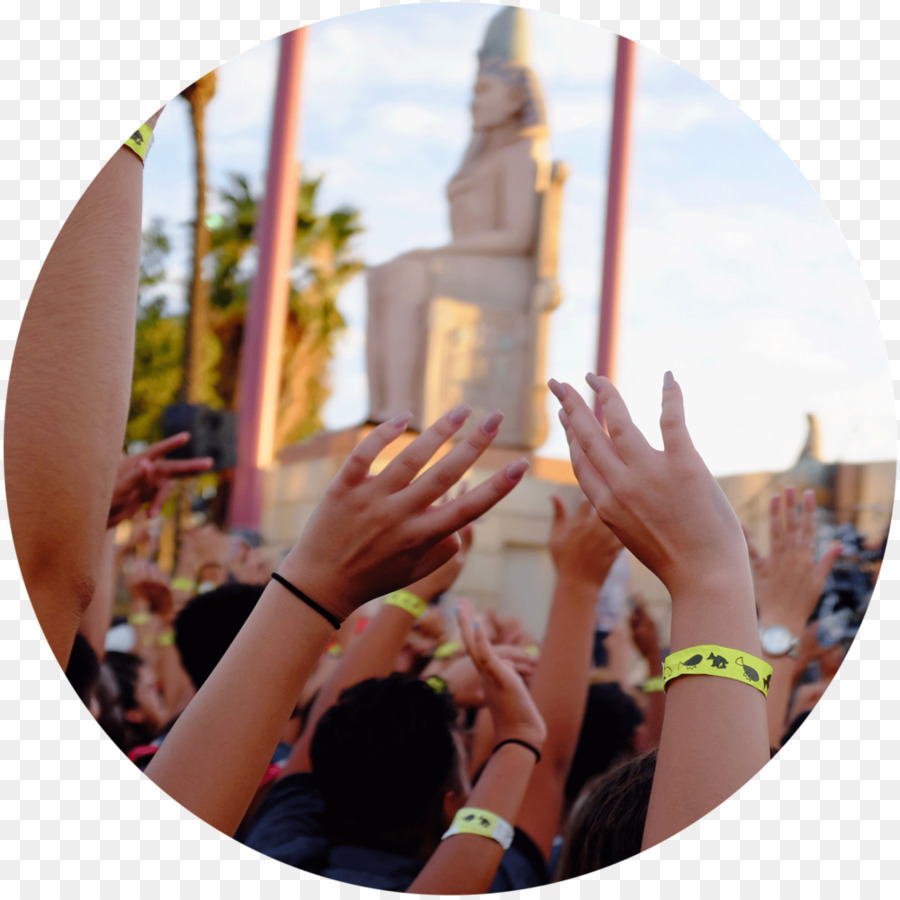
x,y
777,640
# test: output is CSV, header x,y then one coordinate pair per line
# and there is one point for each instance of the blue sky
x,y
736,277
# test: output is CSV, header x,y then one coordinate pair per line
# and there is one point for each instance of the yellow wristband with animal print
x,y
710,659
414,605
140,142
470,820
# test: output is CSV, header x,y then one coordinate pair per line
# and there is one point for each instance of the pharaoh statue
x,y
467,322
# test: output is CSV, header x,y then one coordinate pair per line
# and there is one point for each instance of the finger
x,y
589,479
446,472
581,424
829,558
356,468
475,503
160,448
672,426
808,518
402,470
559,513
162,494
626,437
466,536
776,524
790,514
174,467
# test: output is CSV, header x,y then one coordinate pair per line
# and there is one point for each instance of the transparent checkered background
x,y
820,77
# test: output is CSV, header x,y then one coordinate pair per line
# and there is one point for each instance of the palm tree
x,y
322,265
195,359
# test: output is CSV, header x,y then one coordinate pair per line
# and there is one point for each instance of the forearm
x,y
714,735
371,655
68,398
509,241
466,863
654,711
559,688
98,616
253,690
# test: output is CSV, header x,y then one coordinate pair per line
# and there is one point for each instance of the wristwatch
x,y
778,640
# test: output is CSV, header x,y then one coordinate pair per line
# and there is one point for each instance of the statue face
x,y
493,102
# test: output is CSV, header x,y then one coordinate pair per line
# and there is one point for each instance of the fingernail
x,y
558,390
593,381
515,470
459,414
402,420
475,625
492,422
668,380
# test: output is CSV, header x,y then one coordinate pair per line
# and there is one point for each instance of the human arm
x,y
466,863
373,653
69,389
583,550
671,514
368,536
788,583
644,637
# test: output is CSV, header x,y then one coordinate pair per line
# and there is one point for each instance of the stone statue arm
x,y
517,227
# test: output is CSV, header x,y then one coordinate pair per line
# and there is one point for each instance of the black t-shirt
x,y
289,827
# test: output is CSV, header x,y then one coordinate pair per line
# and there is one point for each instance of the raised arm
x,y
583,551
671,514
466,863
788,583
368,536
68,397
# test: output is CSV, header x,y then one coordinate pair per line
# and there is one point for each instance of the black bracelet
x,y
525,744
333,619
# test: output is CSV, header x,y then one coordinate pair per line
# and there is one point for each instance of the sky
x,y
735,275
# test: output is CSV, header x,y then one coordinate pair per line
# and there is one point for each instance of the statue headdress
x,y
505,54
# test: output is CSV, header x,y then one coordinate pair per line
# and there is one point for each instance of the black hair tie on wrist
x,y
525,744
333,619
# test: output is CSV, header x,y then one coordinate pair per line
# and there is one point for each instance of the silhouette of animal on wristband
x,y
482,821
766,681
693,662
749,672
719,662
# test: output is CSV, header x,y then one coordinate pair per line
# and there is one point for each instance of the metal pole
x,y
616,197
263,345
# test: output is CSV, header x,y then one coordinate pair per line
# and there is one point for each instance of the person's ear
x,y
453,802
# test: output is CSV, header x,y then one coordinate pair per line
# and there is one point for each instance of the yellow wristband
x,y
437,684
470,820
139,618
414,605
335,649
710,659
166,639
653,685
447,649
141,141
183,584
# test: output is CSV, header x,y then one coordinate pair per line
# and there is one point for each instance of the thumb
x,y
559,511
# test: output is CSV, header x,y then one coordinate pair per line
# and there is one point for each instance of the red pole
x,y
616,197
263,346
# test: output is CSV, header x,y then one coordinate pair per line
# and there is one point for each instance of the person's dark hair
x,y
208,624
607,821
83,669
125,668
383,757
610,720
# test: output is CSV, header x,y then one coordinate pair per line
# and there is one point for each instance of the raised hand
x,y
444,577
374,534
146,478
464,681
664,505
788,582
147,586
582,546
514,713
643,633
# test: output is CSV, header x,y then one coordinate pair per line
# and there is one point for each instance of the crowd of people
x,y
334,704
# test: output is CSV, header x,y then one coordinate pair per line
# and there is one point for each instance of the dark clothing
x,y
289,826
